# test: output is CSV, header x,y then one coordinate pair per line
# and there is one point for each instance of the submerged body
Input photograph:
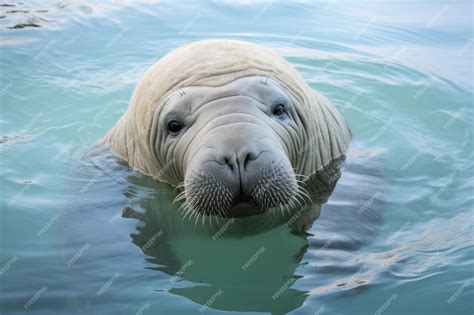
x,y
236,130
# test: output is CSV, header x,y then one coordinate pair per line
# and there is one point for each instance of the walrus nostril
x,y
239,161
229,162
248,157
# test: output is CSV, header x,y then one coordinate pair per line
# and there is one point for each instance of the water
x,y
395,238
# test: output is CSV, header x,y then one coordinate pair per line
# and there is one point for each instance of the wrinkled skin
x,y
233,147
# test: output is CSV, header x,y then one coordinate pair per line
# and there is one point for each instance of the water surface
x,y
396,236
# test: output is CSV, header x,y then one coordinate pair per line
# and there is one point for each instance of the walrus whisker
x,y
306,177
217,217
180,185
270,199
267,213
303,195
183,193
281,206
196,214
211,192
302,191
291,203
210,187
300,182
179,197
278,200
299,177
278,188
191,209
273,193
197,218
188,214
256,196
198,198
187,211
287,209
203,219
281,210
295,198
302,178
182,207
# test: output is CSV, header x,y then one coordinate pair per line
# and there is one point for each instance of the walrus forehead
x,y
264,90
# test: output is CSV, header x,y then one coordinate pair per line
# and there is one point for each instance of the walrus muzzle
x,y
240,169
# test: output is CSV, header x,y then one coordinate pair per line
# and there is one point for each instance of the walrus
x,y
206,114
236,130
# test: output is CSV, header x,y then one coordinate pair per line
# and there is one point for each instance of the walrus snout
x,y
239,173
241,165
238,161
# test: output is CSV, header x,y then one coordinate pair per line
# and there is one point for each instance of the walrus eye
x,y
174,126
279,110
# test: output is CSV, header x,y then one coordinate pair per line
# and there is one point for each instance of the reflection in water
x,y
237,264
243,264
236,272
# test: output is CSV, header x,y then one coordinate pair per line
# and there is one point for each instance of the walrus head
x,y
233,143
234,127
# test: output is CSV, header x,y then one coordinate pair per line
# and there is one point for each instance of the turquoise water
x,y
396,236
